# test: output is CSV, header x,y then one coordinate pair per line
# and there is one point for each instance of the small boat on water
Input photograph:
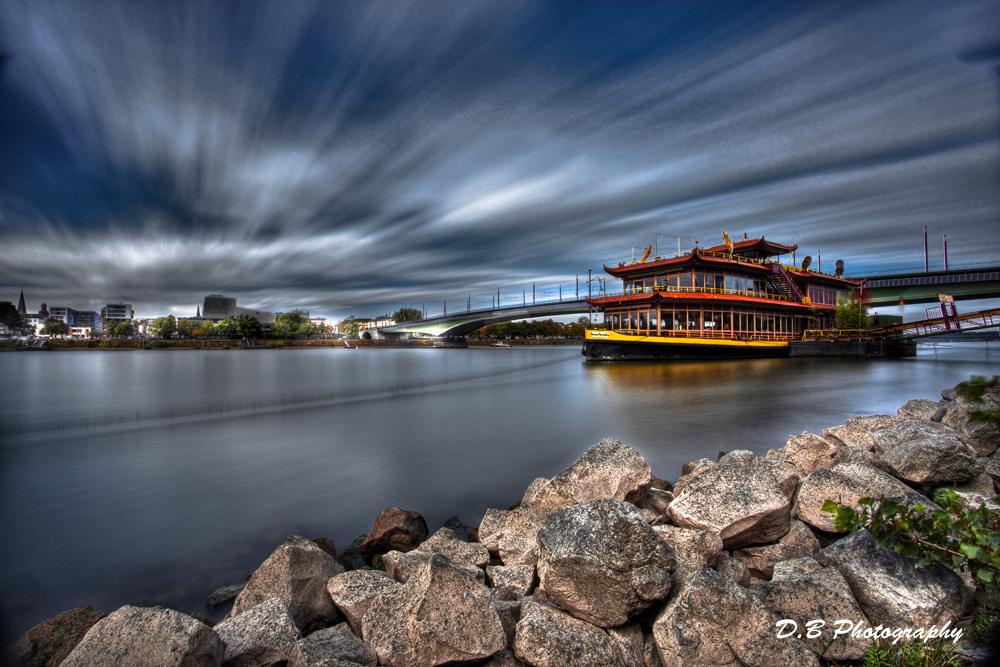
x,y
736,301
499,344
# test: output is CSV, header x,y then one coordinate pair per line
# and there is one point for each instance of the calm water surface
x,y
158,476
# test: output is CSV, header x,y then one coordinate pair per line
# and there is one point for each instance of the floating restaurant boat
x,y
736,300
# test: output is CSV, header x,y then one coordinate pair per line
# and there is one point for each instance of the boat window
x,y
632,320
650,283
652,320
699,281
680,319
616,322
684,280
694,319
727,321
643,320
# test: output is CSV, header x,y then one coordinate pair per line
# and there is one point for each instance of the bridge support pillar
x,y
451,341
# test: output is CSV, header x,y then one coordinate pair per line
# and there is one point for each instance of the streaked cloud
x,y
356,157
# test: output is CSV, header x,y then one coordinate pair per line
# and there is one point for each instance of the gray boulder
x,y
512,535
354,591
740,498
549,637
521,579
982,438
711,621
504,658
394,530
799,542
446,543
259,637
296,572
325,648
991,466
609,469
48,643
918,408
734,570
795,567
602,562
439,616
224,594
145,636
926,453
691,470
824,595
806,453
889,587
693,548
859,431
981,484
628,640
845,483
402,566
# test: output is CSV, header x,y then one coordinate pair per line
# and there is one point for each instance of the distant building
x,y
218,307
116,311
21,308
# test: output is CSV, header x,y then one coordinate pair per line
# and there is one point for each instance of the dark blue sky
x,y
355,157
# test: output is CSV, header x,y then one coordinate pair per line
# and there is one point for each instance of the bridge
x,y
977,281
456,325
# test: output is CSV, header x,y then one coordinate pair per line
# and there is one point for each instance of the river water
x,y
157,476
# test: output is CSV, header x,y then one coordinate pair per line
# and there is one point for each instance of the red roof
x,y
751,244
640,297
618,271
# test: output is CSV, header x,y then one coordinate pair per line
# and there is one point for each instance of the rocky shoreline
x,y
604,565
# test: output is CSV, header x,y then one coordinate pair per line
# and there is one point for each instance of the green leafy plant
x,y
939,653
967,540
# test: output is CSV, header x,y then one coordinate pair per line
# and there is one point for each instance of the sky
x,y
352,158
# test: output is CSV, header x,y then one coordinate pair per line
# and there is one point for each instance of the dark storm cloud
x,y
355,157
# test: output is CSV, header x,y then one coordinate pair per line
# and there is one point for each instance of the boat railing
x,y
708,333
701,290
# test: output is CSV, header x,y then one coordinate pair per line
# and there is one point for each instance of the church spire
x,y
21,309
199,311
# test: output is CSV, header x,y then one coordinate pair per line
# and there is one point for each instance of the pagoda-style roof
x,y
695,257
758,248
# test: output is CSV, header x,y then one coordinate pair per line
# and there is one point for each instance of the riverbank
x,y
726,551
237,344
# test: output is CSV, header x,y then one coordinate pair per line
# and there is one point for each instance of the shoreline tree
x,y
54,327
407,315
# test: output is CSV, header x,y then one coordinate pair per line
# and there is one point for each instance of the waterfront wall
x,y
603,564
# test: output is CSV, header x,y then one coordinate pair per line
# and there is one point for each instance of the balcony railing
x,y
709,333
701,290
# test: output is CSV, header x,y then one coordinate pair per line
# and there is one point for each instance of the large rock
x,y
820,595
296,572
629,641
806,453
520,579
446,543
891,590
48,643
845,483
918,408
693,548
259,637
740,498
549,637
602,562
324,648
354,591
926,453
991,466
147,636
512,535
859,431
609,469
394,530
711,621
982,438
799,542
504,658
402,566
440,616
982,484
